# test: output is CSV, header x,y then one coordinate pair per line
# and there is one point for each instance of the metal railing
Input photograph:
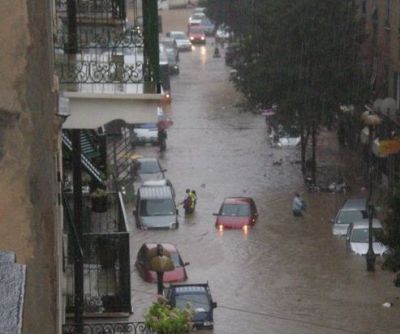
x,y
106,262
107,328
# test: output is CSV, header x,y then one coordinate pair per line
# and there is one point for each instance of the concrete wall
x,y
28,148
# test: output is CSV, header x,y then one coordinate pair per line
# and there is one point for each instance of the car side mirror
x,y
164,170
186,264
215,214
256,214
214,305
177,211
134,212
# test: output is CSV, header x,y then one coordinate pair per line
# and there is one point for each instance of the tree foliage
x,y
301,55
391,234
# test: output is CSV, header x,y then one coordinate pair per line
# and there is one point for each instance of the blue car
x,y
198,297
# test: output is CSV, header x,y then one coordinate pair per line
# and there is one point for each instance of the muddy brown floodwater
x,y
286,275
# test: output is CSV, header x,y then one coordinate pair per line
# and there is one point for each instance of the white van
x,y
156,208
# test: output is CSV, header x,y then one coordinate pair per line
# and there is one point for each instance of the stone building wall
x,y
29,128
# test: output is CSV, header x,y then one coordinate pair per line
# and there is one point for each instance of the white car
x,y
182,40
222,34
196,19
144,133
357,237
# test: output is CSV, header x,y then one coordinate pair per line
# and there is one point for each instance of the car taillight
x,y
202,37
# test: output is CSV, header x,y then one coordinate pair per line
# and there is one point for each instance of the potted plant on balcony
x,y
164,319
98,199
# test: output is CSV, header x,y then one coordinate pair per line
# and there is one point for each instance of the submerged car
x,y
182,41
358,236
236,212
172,52
142,263
147,169
198,298
354,209
145,133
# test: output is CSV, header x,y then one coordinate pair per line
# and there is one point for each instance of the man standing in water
x,y
298,205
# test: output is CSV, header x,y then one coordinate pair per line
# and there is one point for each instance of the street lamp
x,y
160,262
371,120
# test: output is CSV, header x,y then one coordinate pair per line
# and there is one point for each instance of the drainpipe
x,y
72,49
151,51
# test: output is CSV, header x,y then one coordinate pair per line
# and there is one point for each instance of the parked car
x,y
358,235
197,35
198,297
207,26
155,208
171,54
286,136
353,210
160,183
223,34
147,169
199,10
145,133
196,18
142,264
182,41
236,212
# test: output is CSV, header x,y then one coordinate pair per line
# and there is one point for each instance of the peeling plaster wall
x,y
28,147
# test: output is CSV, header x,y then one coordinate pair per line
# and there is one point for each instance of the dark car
x,y
143,264
236,212
231,54
198,297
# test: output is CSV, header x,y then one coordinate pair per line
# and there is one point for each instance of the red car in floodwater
x,y
236,212
143,264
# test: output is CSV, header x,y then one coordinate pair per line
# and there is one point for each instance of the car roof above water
x,y
355,204
155,192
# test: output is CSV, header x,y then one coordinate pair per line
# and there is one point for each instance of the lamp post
x,y
371,120
160,262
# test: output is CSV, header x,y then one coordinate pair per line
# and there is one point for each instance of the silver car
x,y
357,237
148,169
156,208
182,40
353,210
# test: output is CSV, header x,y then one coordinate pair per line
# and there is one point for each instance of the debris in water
x,y
387,304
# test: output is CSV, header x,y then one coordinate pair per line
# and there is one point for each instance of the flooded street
x,y
285,275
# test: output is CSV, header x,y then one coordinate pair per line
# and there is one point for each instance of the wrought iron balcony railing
x,y
113,8
109,328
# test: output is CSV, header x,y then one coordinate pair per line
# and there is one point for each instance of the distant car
x,y
207,26
142,264
354,209
197,35
223,34
172,54
236,212
198,297
287,136
148,169
144,133
182,41
196,18
199,10
357,237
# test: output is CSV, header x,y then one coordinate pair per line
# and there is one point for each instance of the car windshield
x,y
157,207
241,210
349,216
198,16
196,30
179,35
149,167
146,126
198,302
361,235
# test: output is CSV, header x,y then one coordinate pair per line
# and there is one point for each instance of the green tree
x,y
301,55
391,235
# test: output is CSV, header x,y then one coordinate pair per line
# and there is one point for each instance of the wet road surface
x,y
286,275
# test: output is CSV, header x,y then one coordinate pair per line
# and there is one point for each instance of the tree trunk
x,y
313,157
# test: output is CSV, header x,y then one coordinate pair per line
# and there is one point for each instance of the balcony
x,y
100,63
